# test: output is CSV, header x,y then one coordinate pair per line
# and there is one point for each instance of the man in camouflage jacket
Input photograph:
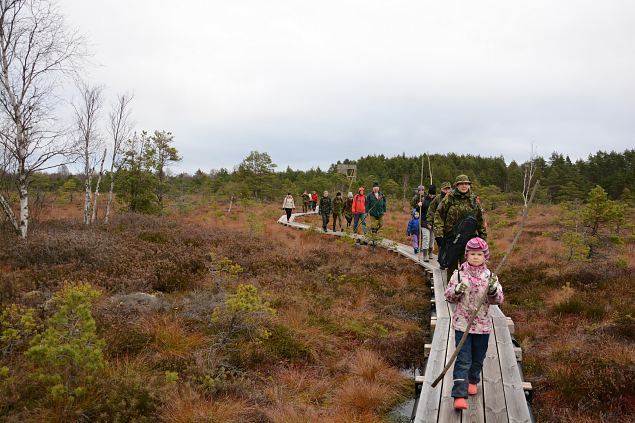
x,y
452,209
338,208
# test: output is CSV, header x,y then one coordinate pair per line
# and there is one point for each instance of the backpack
x,y
463,231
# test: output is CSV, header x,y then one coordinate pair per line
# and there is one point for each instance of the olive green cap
x,y
446,185
462,178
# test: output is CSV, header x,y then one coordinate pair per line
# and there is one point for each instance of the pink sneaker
x,y
460,404
472,389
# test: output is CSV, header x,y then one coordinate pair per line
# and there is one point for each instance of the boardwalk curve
x,y
502,393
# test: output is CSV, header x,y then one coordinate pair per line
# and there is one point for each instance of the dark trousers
x,y
288,213
349,219
337,218
305,207
469,362
325,221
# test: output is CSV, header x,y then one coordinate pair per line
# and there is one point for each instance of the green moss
x,y
284,344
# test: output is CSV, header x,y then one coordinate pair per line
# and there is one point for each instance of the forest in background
x,y
141,182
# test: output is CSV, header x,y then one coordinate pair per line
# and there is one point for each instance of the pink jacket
x,y
477,279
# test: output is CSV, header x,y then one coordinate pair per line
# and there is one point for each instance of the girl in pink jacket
x,y
466,287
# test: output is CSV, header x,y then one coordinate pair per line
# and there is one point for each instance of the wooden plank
x,y
447,413
494,396
517,407
510,325
441,304
428,405
476,412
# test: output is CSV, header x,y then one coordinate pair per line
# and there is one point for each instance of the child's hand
x,y
492,287
460,288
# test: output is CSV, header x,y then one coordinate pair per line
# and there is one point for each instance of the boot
x,y
460,404
472,389
426,256
416,251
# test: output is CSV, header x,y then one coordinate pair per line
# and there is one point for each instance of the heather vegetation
x,y
203,309
196,317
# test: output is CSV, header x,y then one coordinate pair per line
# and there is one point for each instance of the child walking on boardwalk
x,y
413,230
466,287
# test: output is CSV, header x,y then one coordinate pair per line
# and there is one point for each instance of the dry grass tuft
x,y
187,406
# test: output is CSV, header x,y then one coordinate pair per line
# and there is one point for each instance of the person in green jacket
x,y
453,210
338,208
446,188
376,207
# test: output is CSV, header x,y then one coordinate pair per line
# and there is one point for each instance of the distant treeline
x,y
256,176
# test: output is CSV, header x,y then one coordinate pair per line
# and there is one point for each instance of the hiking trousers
x,y
337,218
469,362
376,223
357,218
325,221
427,241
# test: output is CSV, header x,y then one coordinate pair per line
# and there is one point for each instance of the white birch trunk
x,y
87,201
109,203
93,218
8,211
24,206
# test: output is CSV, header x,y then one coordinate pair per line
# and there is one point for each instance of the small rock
x,y
137,302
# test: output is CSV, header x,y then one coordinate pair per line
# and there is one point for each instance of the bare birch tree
x,y
120,130
86,117
93,218
528,178
36,51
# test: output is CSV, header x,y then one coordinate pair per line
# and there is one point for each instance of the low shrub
x,y
283,344
68,353
577,306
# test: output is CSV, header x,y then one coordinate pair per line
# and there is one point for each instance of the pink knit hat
x,y
477,244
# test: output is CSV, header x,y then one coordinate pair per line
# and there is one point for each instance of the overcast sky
x,y
313,82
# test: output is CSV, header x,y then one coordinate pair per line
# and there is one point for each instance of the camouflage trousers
x,y
376,223
337,218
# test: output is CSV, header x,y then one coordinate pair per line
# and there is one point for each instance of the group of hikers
x,y
450,217
454,220
354,208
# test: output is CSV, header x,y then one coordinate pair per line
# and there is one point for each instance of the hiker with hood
x,y
325,210
458,219
306,198
446,188
348,209
413,230
418,198
466,286
376,208
288,205
338,208
359,210
422,202
314,200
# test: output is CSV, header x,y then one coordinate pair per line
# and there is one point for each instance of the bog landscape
x,y
143,279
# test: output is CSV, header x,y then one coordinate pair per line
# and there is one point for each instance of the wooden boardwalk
x,y
502,394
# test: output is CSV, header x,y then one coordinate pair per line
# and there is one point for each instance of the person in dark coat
x,y
348,210
376,208
325,209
